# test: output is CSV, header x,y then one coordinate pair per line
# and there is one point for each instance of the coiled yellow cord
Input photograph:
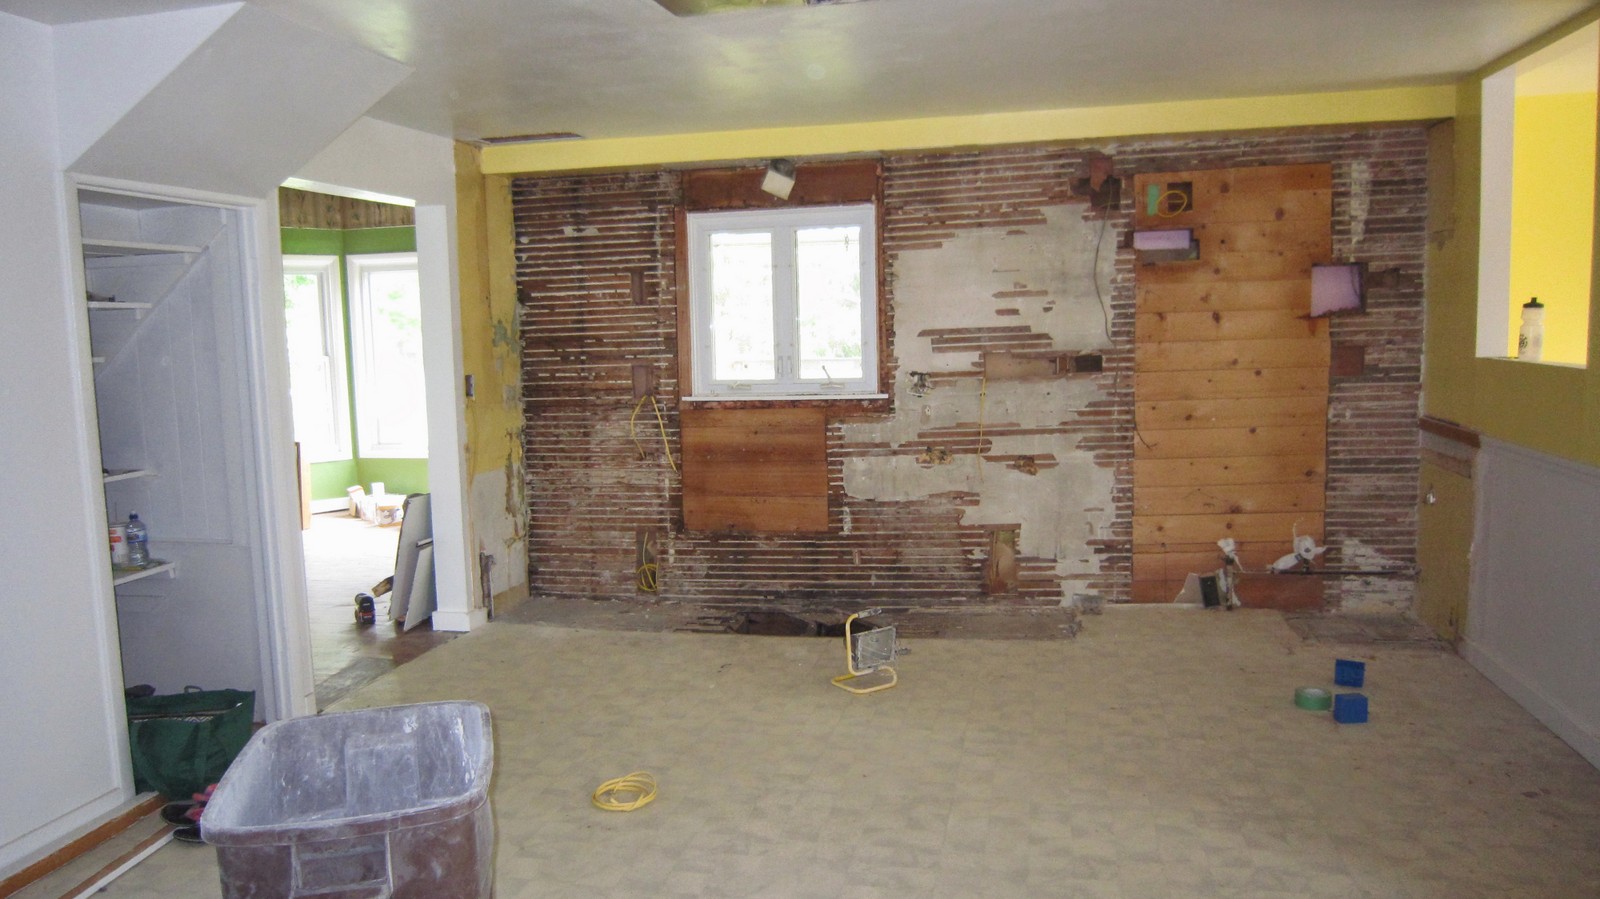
x,y
1182,207
639,785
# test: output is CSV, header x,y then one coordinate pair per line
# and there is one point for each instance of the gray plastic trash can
x,y
378,802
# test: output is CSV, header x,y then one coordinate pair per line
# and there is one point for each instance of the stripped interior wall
x,y
1001,277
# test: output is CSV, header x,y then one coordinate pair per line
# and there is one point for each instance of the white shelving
x,y
100,248
119,306
120,576
126,474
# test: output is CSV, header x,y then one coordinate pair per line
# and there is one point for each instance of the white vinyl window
x,y
783,303
386,338
317,377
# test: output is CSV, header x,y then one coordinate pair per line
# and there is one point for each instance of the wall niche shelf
x,y
120,575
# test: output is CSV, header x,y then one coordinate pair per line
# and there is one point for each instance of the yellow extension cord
x,y
660,422
641,785
1182,208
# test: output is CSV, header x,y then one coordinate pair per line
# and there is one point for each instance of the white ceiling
x,y
614,68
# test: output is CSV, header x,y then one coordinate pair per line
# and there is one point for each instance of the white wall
x,y
60,687
255,99
1533,619
383,161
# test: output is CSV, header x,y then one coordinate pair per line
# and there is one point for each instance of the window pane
x,y
741,307
311,389
828,294
395,322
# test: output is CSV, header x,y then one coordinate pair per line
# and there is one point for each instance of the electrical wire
x,y
1094,275
660,422
1182,208
983,396
639,787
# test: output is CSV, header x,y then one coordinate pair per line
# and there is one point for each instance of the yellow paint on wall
x,y
1552,219
490,352
1229,114
1550,408
1445,521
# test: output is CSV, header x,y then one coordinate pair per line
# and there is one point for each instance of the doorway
x,y
354,327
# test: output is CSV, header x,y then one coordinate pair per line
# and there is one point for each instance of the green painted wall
x,y
329,480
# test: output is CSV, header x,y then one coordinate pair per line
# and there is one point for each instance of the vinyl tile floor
x,y
1159,754
345,556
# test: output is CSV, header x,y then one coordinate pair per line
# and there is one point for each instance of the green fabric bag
x,y
182,742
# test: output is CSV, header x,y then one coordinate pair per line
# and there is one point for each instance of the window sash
x,y
386,426
783,225
318,375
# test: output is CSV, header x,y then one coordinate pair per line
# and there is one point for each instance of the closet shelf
x,y
101,248
121,574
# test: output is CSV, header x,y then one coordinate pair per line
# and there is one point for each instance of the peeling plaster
x,y
1360,199
501,535
1045,274
954,286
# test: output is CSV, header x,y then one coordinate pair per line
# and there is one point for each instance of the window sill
x,y
790,398
1576,366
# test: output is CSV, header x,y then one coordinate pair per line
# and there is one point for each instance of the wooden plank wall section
x,y
1230,378
308,209
755,471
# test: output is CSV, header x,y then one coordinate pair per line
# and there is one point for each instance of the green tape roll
x,y
1313,699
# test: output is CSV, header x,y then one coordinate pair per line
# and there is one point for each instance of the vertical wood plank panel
x,y
1231,381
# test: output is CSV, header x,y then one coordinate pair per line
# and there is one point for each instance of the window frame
x,y
363,357
700,224
326,269
1496,319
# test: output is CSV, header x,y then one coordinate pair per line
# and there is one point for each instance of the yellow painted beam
x,y
1231,114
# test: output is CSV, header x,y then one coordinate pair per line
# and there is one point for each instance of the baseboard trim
x,y
1528,695
66,854
102,878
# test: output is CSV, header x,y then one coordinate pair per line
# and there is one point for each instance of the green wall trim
x,y
311,242
329,479
397,475
380,240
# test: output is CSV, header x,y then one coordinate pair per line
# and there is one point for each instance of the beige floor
x,y
1159,754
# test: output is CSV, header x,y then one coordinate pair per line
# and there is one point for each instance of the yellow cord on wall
x,y
660,422
625,793
1182,207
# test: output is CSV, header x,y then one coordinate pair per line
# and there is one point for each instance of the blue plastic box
x,y
1350,708
1349,674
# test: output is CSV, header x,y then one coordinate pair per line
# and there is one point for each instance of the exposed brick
x,y
579,240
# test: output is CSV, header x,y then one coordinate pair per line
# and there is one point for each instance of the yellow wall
x,y
1230,114
1549,408
491,354
1552,219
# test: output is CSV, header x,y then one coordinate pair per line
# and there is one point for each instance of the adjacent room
x,y
919,447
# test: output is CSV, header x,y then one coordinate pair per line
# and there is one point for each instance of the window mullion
x,y
785,315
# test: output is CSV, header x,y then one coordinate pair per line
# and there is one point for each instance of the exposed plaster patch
x,y
500,535
1045,274
1355,555
1360,199
954,285
1377,595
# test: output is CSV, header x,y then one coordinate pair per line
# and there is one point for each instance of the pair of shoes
x,y
181,814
